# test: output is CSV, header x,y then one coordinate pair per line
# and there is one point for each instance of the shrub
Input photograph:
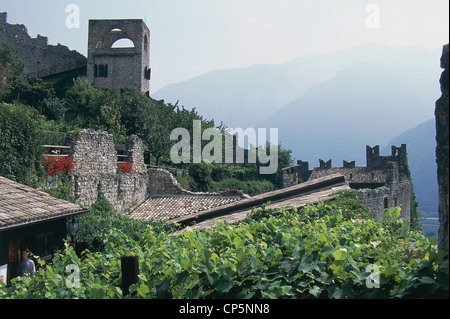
x,y
252,187
317,252
20,144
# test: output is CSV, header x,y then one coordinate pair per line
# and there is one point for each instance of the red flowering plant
x,y
125,167
57,165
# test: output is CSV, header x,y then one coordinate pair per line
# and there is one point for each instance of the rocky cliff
x,y
442,133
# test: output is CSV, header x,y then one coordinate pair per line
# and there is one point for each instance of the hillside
x,y
421,147
362,105
257,92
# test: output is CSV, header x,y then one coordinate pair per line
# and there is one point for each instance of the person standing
x,y
26,266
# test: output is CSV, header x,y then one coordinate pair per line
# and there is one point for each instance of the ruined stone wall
x,y
290,176
382,184
442,150
162,182
95,171
36,53
398,195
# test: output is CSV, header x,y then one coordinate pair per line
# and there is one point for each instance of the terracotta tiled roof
x,y
310,192
167,207
20,204
288,204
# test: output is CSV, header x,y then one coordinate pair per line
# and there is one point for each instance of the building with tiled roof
x,y
32,220
168,207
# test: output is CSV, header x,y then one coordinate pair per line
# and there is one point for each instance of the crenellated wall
x,y
383,183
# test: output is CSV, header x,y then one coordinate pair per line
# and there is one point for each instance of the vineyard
x,y
330,250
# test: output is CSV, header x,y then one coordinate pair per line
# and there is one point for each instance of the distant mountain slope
x,y
364,104
330,106
421,147
244,97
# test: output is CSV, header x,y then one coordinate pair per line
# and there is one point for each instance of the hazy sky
x,y
192,37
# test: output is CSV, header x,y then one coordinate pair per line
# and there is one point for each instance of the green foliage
x,y
251,188
201,173
10,68
101,219
63,190
20,144
30,91
93,108
347,201
317,252
54,109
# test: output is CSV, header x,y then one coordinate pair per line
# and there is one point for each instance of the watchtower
x,y
119,54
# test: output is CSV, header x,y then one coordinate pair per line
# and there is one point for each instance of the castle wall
x,y
290,176
36,53
95,172
383,183
380,199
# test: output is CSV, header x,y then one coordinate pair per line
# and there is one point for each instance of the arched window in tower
x,y
122,43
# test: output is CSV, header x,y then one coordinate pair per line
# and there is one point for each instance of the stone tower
x,y
118,67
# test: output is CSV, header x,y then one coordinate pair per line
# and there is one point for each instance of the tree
x,y
54,109
201,173
10,67
284,159
20,144
83,101
30,91
94,108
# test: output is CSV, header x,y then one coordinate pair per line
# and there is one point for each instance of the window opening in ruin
x,y
386,203
101,70
147,73
116,30
395,201
145,43
123,43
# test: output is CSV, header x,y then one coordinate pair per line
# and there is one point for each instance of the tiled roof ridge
x,y
296,190
21,204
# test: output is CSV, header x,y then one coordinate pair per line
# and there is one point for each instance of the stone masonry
x,y
111,67
95,171
383,183
36,53
162,182
442,150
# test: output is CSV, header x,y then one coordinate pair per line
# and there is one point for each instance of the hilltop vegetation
x,y
36,113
